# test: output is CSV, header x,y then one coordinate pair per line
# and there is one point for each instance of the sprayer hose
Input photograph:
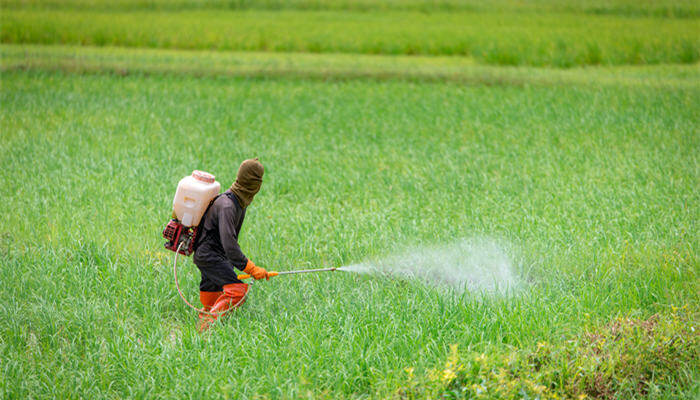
x,y
182,296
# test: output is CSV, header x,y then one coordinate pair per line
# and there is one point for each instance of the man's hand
x,y
255,271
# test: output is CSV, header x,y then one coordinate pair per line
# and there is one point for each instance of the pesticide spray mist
x,y
475,265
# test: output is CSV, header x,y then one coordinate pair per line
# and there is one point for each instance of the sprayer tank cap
x,y
203,176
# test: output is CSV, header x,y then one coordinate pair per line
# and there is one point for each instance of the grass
x,y
593,186
624,359
85,59
666,8
566,132
509,37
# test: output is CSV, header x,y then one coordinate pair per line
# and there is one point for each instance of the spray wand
x,y
241,276
270,274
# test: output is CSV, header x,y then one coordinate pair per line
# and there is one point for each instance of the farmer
x,y
217,251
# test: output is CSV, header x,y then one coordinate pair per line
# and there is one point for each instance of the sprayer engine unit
x,y
177,233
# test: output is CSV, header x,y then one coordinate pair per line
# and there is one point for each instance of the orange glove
x,y
255,271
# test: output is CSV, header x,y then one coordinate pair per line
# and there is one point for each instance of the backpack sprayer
x,y
194,195
192,198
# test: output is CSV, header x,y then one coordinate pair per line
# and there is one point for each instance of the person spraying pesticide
x,y
212,234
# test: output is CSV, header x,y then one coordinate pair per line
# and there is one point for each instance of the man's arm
x,y
229,238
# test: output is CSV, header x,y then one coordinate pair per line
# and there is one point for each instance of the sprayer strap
x,y
233,197
197,240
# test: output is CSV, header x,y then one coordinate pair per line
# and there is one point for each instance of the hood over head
x,y
248,181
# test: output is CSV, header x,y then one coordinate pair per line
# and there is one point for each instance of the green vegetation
x,y
565,132
627,358
665,8
123,61
510,37
594,187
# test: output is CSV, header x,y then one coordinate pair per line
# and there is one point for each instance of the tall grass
x,y
552,39
594,188
331,66
666,8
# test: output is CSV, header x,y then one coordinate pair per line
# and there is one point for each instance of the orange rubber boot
x,y
232,297
208,299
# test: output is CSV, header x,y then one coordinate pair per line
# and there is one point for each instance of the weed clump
x,y
626,358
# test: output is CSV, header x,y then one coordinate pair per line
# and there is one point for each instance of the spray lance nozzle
x,y
270,274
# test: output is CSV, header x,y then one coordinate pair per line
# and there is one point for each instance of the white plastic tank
x,y
193,196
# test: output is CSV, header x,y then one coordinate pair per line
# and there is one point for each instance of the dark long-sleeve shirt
x,y
219,233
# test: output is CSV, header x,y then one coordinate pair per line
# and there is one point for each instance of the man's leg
x,y
234,296
215,276
209,292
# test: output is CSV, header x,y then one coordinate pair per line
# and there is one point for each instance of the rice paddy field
x,y
543,154
502,38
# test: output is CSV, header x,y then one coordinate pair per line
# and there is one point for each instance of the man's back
x,y
219,232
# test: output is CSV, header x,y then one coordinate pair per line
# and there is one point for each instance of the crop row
x,y
561,40
668,8
122,60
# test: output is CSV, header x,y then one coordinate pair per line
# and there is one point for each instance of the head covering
x,y
248,181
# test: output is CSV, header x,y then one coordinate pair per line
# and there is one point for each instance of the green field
x,y
665,8
387,139
599,207
506,35
125,61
